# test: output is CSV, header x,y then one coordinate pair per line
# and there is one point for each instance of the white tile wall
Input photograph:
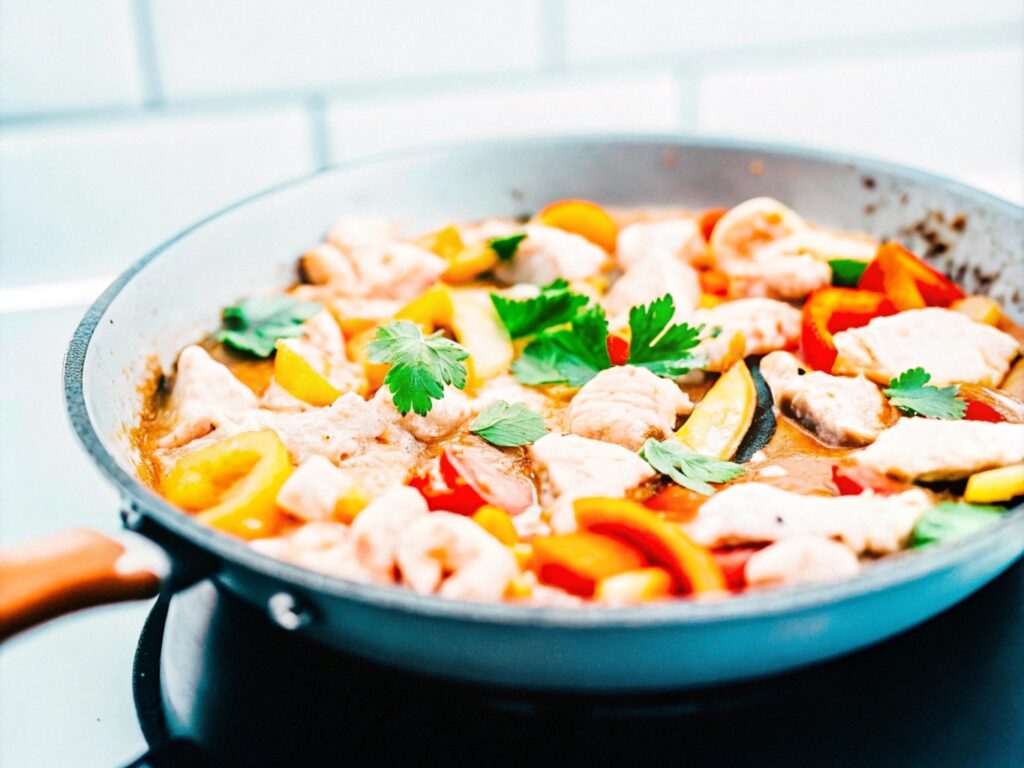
x,y
238,45
66,54
83,197
623,29
956,113
617,104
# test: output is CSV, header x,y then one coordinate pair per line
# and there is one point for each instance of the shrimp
x,y
452,556
378,529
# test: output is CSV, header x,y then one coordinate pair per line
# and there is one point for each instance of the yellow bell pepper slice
x,y
991,485
233,484
470,262
374,372
478,329
981,309
584,218
304,376
719,421
497,522
445,242
633,587
430,309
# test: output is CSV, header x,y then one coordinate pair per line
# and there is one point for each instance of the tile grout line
x,y
145,44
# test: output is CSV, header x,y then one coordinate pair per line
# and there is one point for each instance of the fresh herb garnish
x,y
421,365
662,348
508,424
911,393
690,470
255,325
507,246
951,520
846,272
571,355
555,305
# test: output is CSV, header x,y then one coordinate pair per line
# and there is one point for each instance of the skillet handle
x,y
70,570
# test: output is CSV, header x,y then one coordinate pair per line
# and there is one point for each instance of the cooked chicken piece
x,y
756,512
548,253
572,467
823,245
651,279
377,530
452,556
840,411
445,416
948,344
778,368
801,560
751,225
679,238
626,405
766,325
389,461
776,277
319,546
937,449
206,397
379,266
312,491
322,332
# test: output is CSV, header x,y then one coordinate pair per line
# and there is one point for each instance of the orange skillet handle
x,y
66,571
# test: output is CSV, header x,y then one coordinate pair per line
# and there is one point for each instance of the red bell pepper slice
x,y
708,219
853,481
831,310
908,281
979,411
733,562
456,494
618,349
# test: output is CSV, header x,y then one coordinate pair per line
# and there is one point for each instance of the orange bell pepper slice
x,y
707,220
831,310
583,218
907,280
497,522
692,567
634,587
678,504
576,562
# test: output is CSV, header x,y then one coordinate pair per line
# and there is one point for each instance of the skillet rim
x,y
891,572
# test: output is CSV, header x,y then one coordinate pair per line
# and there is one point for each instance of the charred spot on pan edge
x,y
868,182
869,209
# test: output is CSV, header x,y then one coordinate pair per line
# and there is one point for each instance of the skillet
x,y
172,297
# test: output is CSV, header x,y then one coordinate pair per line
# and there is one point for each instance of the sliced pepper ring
x,y
831,310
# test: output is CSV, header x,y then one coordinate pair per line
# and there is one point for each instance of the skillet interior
x,y
173,296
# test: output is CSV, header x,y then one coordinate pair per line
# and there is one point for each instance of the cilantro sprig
x,y
662,348
507,246
570,356
554,305
254,325
911,393
508,424
421,365
950,520
687,468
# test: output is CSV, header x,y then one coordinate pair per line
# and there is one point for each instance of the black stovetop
x,y
216,684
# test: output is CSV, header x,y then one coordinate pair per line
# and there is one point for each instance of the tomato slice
x,y
471,479
831,310
618,349
908,281
708,219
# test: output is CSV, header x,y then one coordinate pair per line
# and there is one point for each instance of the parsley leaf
x,y
572,355
421,365
508,424
555,305
846,272
911,393
662,348
255,325
506,247
949,521
688,469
